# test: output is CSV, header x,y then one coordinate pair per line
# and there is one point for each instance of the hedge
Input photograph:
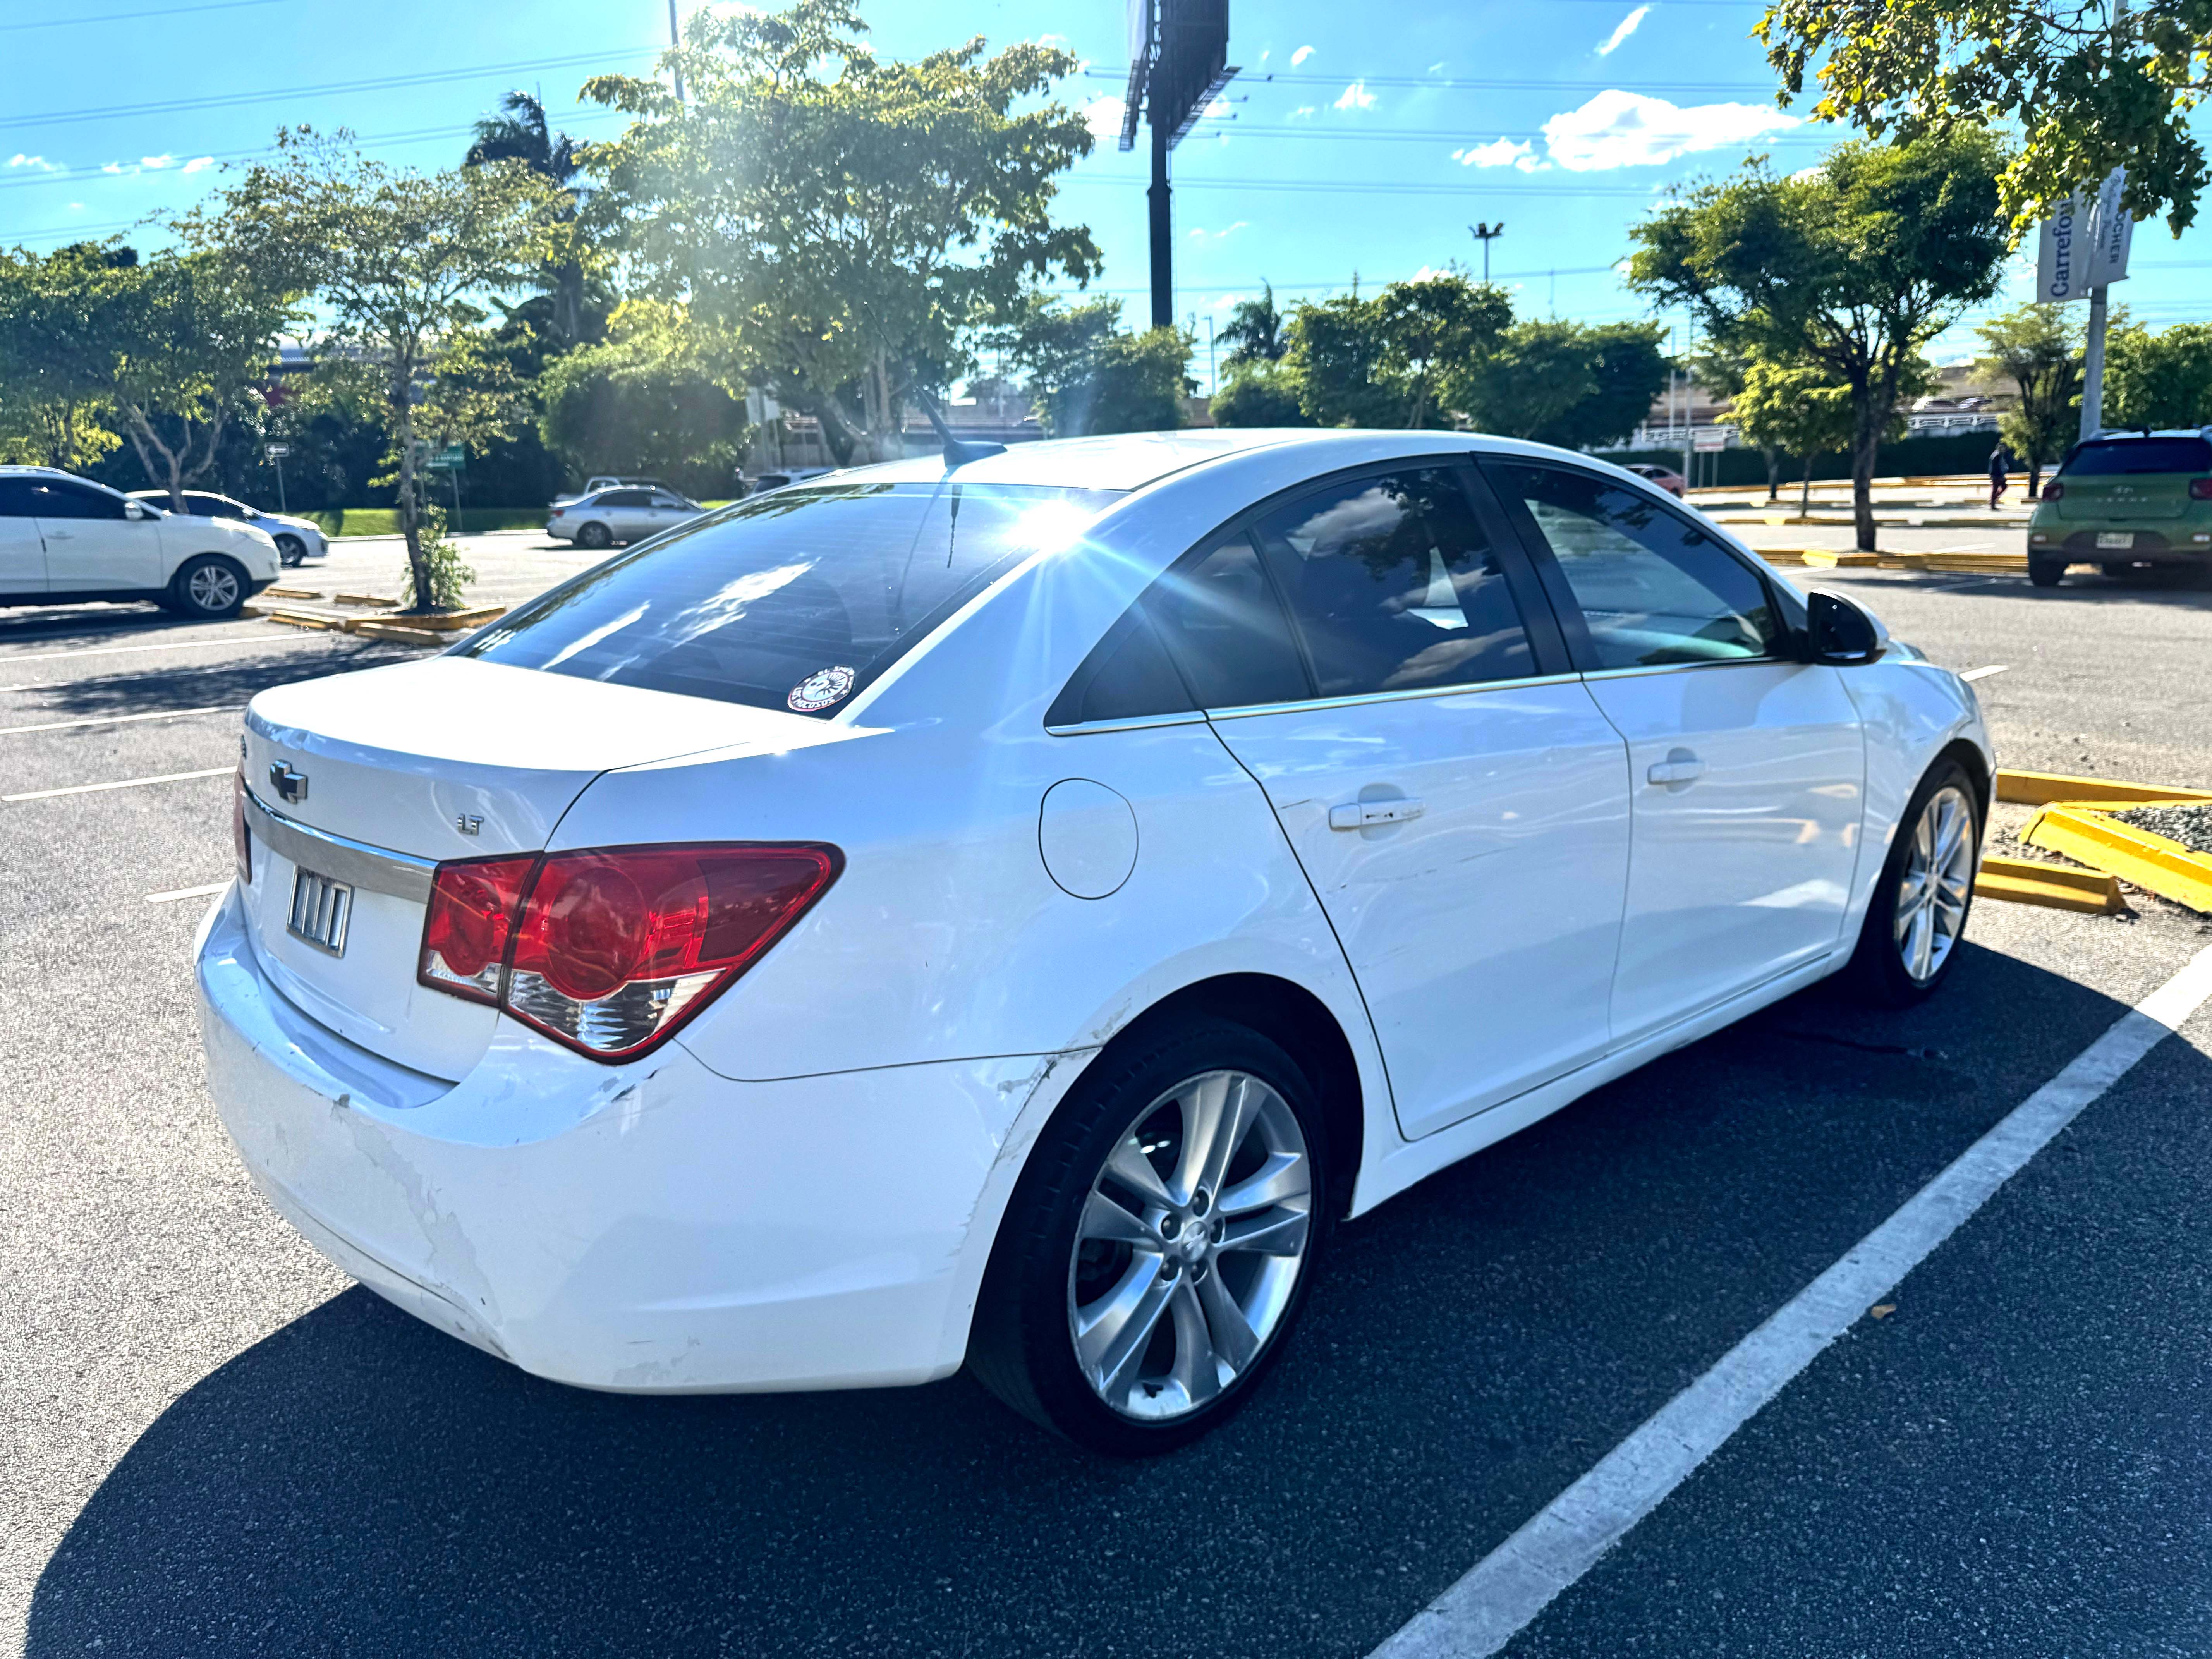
x,y
1908,458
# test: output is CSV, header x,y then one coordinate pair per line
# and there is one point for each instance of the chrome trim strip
x,y
1249,710
1134,723
1679,667
353,862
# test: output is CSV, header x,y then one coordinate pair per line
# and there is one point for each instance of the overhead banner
x,y
2085,243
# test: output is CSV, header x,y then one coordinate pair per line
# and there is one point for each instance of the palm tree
x,y
1255,332
521,132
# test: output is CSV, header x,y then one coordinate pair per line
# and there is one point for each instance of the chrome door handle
x,y
1365,814
59,536
1680,766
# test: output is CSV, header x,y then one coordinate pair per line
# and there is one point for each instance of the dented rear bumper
x,y
653,1227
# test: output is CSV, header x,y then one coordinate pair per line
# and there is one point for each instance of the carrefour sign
x,y
2085,243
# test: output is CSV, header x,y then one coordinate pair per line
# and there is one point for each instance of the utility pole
x,y
1212,374
1162,231
2092,358
675,39
1486,233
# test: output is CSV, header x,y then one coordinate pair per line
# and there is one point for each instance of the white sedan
x,y
1005,914
297,539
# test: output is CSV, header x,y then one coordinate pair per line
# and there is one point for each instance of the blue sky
x,y
1358,139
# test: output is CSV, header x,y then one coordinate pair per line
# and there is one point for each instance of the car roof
x,y
1132,460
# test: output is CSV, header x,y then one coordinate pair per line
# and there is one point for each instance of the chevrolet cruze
x,y
1003,912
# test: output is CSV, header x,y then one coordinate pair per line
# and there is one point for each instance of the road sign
x,y
2085,243
454,458
1705,438
276,450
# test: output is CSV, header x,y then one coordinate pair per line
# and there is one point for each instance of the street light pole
x,y
675,39
2092,355
1485,234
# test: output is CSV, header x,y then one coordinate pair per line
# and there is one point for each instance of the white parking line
x,y
1518,1579
115,720
181,645
1963,547
207,891
1984,673
120,783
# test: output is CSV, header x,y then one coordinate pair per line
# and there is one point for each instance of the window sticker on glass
x,y
818,691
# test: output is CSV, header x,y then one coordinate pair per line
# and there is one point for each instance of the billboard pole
x,y
2092,357
1163,230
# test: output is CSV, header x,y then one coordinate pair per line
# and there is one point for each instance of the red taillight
x,y
242,838
2200,489
471,922
558,511
2053,490
608,951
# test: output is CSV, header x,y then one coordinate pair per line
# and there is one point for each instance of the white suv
x,y
64,540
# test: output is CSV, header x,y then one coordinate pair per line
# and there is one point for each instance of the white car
x,y
620,515
66,540
1005,914
609,481
297,539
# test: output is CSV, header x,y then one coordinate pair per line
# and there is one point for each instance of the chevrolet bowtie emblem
x,y
292,785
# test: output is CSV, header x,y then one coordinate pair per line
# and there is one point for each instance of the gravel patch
x,y
2188,822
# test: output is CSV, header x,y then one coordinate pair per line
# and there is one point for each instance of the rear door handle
x,y
1365,814
1680,766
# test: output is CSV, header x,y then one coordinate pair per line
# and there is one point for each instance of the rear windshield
x,y
794,600
2111,456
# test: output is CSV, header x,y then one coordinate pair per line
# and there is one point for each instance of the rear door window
x,y
796,600
1218,614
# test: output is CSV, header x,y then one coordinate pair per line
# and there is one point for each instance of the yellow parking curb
x,y
1826,558
306,619
384,630
2024,881
2044,788
2137,856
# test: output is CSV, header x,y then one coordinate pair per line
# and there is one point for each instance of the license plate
x,y
321,908
2116,539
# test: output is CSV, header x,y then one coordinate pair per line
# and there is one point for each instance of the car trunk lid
x,y
2124,496
362,783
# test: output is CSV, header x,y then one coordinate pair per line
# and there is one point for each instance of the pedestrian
x,y
1997,479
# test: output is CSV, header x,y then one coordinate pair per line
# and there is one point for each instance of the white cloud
x,y
1303,112
115,168
1052,39
1201,233
1618,129
199,163
154,163
1498,153
1300,55
76,207
1104,116
1198,235
20,160
1230,301
1622,30
1355,96
1437,67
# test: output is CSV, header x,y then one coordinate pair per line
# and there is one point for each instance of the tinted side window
x,y
1127,677
1395,587
18,498
622,498
1653,588
1218,614
64,501
207,507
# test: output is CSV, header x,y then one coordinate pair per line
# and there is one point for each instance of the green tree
x,y
2087,92
1721,371
1392,360
1565,383
1259,393
1794,407
1087,374
2038,349
845,230
649,400
1851,267
53,412
521,132
404,263
2159,379
1254,332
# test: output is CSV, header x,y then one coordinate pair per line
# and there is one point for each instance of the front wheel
x,y
1159,1244
208,587
1918,911
291,550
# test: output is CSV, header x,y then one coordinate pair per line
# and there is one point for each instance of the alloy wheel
x,y
1934,887
1189,1247
212,587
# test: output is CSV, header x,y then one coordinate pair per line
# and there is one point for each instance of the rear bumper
x,y
647,1228
561,531
2174,543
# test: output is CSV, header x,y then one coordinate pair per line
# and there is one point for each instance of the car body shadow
x,y
355,1482
167,684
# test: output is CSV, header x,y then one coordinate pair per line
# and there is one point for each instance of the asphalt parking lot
x,y
210,1442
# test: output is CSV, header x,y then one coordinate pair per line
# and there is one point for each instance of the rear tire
x,y
208,587
2045,573
1926,890
1143,1280
595,536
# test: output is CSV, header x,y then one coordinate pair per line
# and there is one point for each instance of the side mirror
x,y
136,510
1841,631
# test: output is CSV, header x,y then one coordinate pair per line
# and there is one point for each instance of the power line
x,y
1446,135
59,117
1459,83
165,11
1374,186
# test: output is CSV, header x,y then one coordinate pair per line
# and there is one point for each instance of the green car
x,y
2126,501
